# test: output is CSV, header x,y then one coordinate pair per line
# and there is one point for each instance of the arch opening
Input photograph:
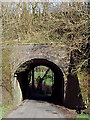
x,y
41,82
51,77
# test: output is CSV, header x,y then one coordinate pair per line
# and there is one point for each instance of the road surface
x,y
35,109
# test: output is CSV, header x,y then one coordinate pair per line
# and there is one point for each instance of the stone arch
x,y
51,59
22,70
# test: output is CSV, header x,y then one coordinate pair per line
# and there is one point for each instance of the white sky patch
x,y
45,0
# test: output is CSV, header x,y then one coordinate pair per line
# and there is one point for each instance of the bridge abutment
x,y
23,81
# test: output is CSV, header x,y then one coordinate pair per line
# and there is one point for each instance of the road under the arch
x,y
35,109
22,76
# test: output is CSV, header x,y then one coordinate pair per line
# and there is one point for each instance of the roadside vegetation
x,y
4,109
82,116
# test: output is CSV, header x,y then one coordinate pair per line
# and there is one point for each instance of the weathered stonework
x,y
22,53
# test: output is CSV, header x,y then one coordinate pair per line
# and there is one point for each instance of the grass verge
x,y
83,116
3,110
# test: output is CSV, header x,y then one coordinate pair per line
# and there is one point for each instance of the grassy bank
x,y
83,116
4,109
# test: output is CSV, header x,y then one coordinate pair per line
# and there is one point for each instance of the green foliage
x,y
82,116
87,33
4,109
47,79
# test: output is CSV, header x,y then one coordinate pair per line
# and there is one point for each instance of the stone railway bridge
x,y
25,57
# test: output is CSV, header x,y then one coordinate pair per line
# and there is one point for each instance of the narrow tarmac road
x,y
35,109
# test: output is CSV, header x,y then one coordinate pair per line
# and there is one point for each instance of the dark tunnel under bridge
x,y
23,70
